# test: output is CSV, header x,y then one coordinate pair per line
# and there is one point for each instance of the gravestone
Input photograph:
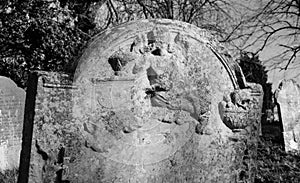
x,y
12,102
150,101
289,100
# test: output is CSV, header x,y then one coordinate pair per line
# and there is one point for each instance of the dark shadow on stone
x,y
28,128
281,138
115,63
60,160
152,75
157,52
132,46
240,77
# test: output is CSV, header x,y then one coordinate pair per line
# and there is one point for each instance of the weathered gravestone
x,y
12,99
289,102
150,101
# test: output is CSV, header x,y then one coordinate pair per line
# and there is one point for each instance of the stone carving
x,y
288,97
12,102
240,105
149,87
143,107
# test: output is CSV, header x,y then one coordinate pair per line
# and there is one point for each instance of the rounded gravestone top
x,y
12,103
9,86
130,37
147,88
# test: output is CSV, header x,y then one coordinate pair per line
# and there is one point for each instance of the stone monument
x,y
149,101
12,102
288,97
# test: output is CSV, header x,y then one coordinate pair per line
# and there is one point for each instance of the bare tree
x,y
214,15
273,22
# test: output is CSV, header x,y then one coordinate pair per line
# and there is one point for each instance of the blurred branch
x,y
145,9
274,21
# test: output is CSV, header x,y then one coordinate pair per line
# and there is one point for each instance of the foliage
x,y
49,34
37,35
255,72
9,176
276,165
252,68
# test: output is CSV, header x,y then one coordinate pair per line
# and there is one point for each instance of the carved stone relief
x,y
146,105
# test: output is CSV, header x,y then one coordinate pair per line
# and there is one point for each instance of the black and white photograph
x,y
149,91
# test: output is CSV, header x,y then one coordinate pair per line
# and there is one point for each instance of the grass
x,y
273,165
9,176
276,165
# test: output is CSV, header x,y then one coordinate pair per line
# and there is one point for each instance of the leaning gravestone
x,y
150,101
12,102
289,101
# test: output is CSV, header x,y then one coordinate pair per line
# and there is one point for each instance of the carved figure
x,y
239,106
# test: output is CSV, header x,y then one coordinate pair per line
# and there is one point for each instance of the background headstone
x,y
151,101
289,101
12,103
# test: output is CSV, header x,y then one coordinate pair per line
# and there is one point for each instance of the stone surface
x,y
12,102
289,100
146,104
241,105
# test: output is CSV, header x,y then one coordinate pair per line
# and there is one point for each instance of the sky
x,y
275,76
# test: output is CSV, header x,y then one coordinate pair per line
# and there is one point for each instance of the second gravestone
x,y
150,101
289,101
12,102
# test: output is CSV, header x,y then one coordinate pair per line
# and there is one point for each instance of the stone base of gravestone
x,y
63,149
289,101
158,102
12,103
